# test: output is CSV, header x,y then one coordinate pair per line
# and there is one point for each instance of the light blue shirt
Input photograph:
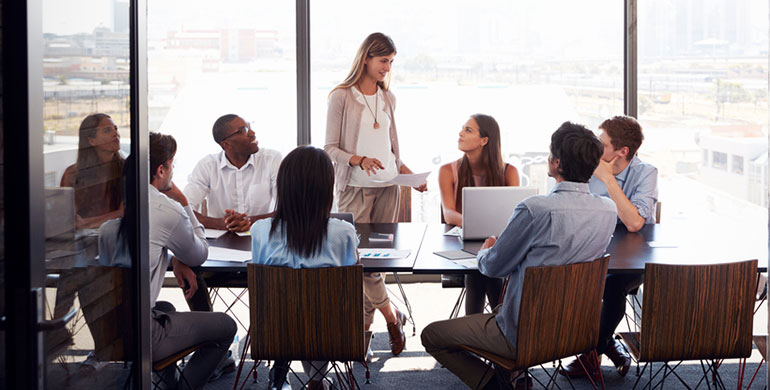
x,y
569,225
339,249
639,181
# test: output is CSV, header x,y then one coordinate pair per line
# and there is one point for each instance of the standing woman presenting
x,y
361,140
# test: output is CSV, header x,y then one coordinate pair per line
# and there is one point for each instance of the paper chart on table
x,y
407,179
383,253
455,255
225,254
467,263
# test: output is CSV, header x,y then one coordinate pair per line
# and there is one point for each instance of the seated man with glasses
x,y
237,183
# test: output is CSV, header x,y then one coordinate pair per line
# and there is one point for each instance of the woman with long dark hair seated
x,y
301,234
481,165
97,173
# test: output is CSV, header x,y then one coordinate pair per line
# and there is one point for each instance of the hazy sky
x,y
568,28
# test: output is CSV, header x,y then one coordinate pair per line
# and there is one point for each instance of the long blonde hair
x,y
375,45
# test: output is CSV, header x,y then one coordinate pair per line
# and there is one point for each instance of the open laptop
x,y
344,216
486,211
60,213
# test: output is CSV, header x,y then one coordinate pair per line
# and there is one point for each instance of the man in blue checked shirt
x,y
633,185
569,225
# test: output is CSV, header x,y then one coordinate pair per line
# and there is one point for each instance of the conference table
x,y
232,274
406,236
677,242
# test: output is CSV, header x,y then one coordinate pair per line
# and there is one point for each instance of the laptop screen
x,y
486,210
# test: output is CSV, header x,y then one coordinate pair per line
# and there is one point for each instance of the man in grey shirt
x,y
633,185
569,225
173,227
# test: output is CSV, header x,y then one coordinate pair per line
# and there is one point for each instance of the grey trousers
x,y
443,338
371,205
174,331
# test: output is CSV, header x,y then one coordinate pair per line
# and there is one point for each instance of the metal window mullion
x,y
22,122
303,71
630,58
140,148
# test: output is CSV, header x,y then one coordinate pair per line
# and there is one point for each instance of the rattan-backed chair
x,y
104,295
558,316
308,314
694,312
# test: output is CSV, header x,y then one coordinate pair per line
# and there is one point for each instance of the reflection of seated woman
x,y
301,234
96,174
482,165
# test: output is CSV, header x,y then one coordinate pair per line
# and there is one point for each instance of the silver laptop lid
x,y
59,213
486,210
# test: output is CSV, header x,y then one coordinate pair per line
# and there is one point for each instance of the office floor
x,y
415,369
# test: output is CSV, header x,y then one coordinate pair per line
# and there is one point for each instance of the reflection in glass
x,y
86,100
97,172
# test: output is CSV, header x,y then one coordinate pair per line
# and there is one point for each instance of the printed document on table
x,y
454,232
408,179
468,263
216,233
225,254
375,253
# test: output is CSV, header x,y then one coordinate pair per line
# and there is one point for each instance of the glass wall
x,y
2,219
207,59
85,109
527,66
703,90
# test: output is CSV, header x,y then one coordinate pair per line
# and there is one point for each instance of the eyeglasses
x,y
242,130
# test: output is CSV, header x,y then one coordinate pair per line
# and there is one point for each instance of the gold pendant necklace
x,y
376,106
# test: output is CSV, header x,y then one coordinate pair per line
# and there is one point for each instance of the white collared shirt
x,y
249,189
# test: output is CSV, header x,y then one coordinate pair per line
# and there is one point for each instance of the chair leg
x,y
458,304
367,375
718,378
755,374
246,346
181,376
705,376
406,303
489,367
551,377
638,376
673,372
663,379
598,364
588,374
